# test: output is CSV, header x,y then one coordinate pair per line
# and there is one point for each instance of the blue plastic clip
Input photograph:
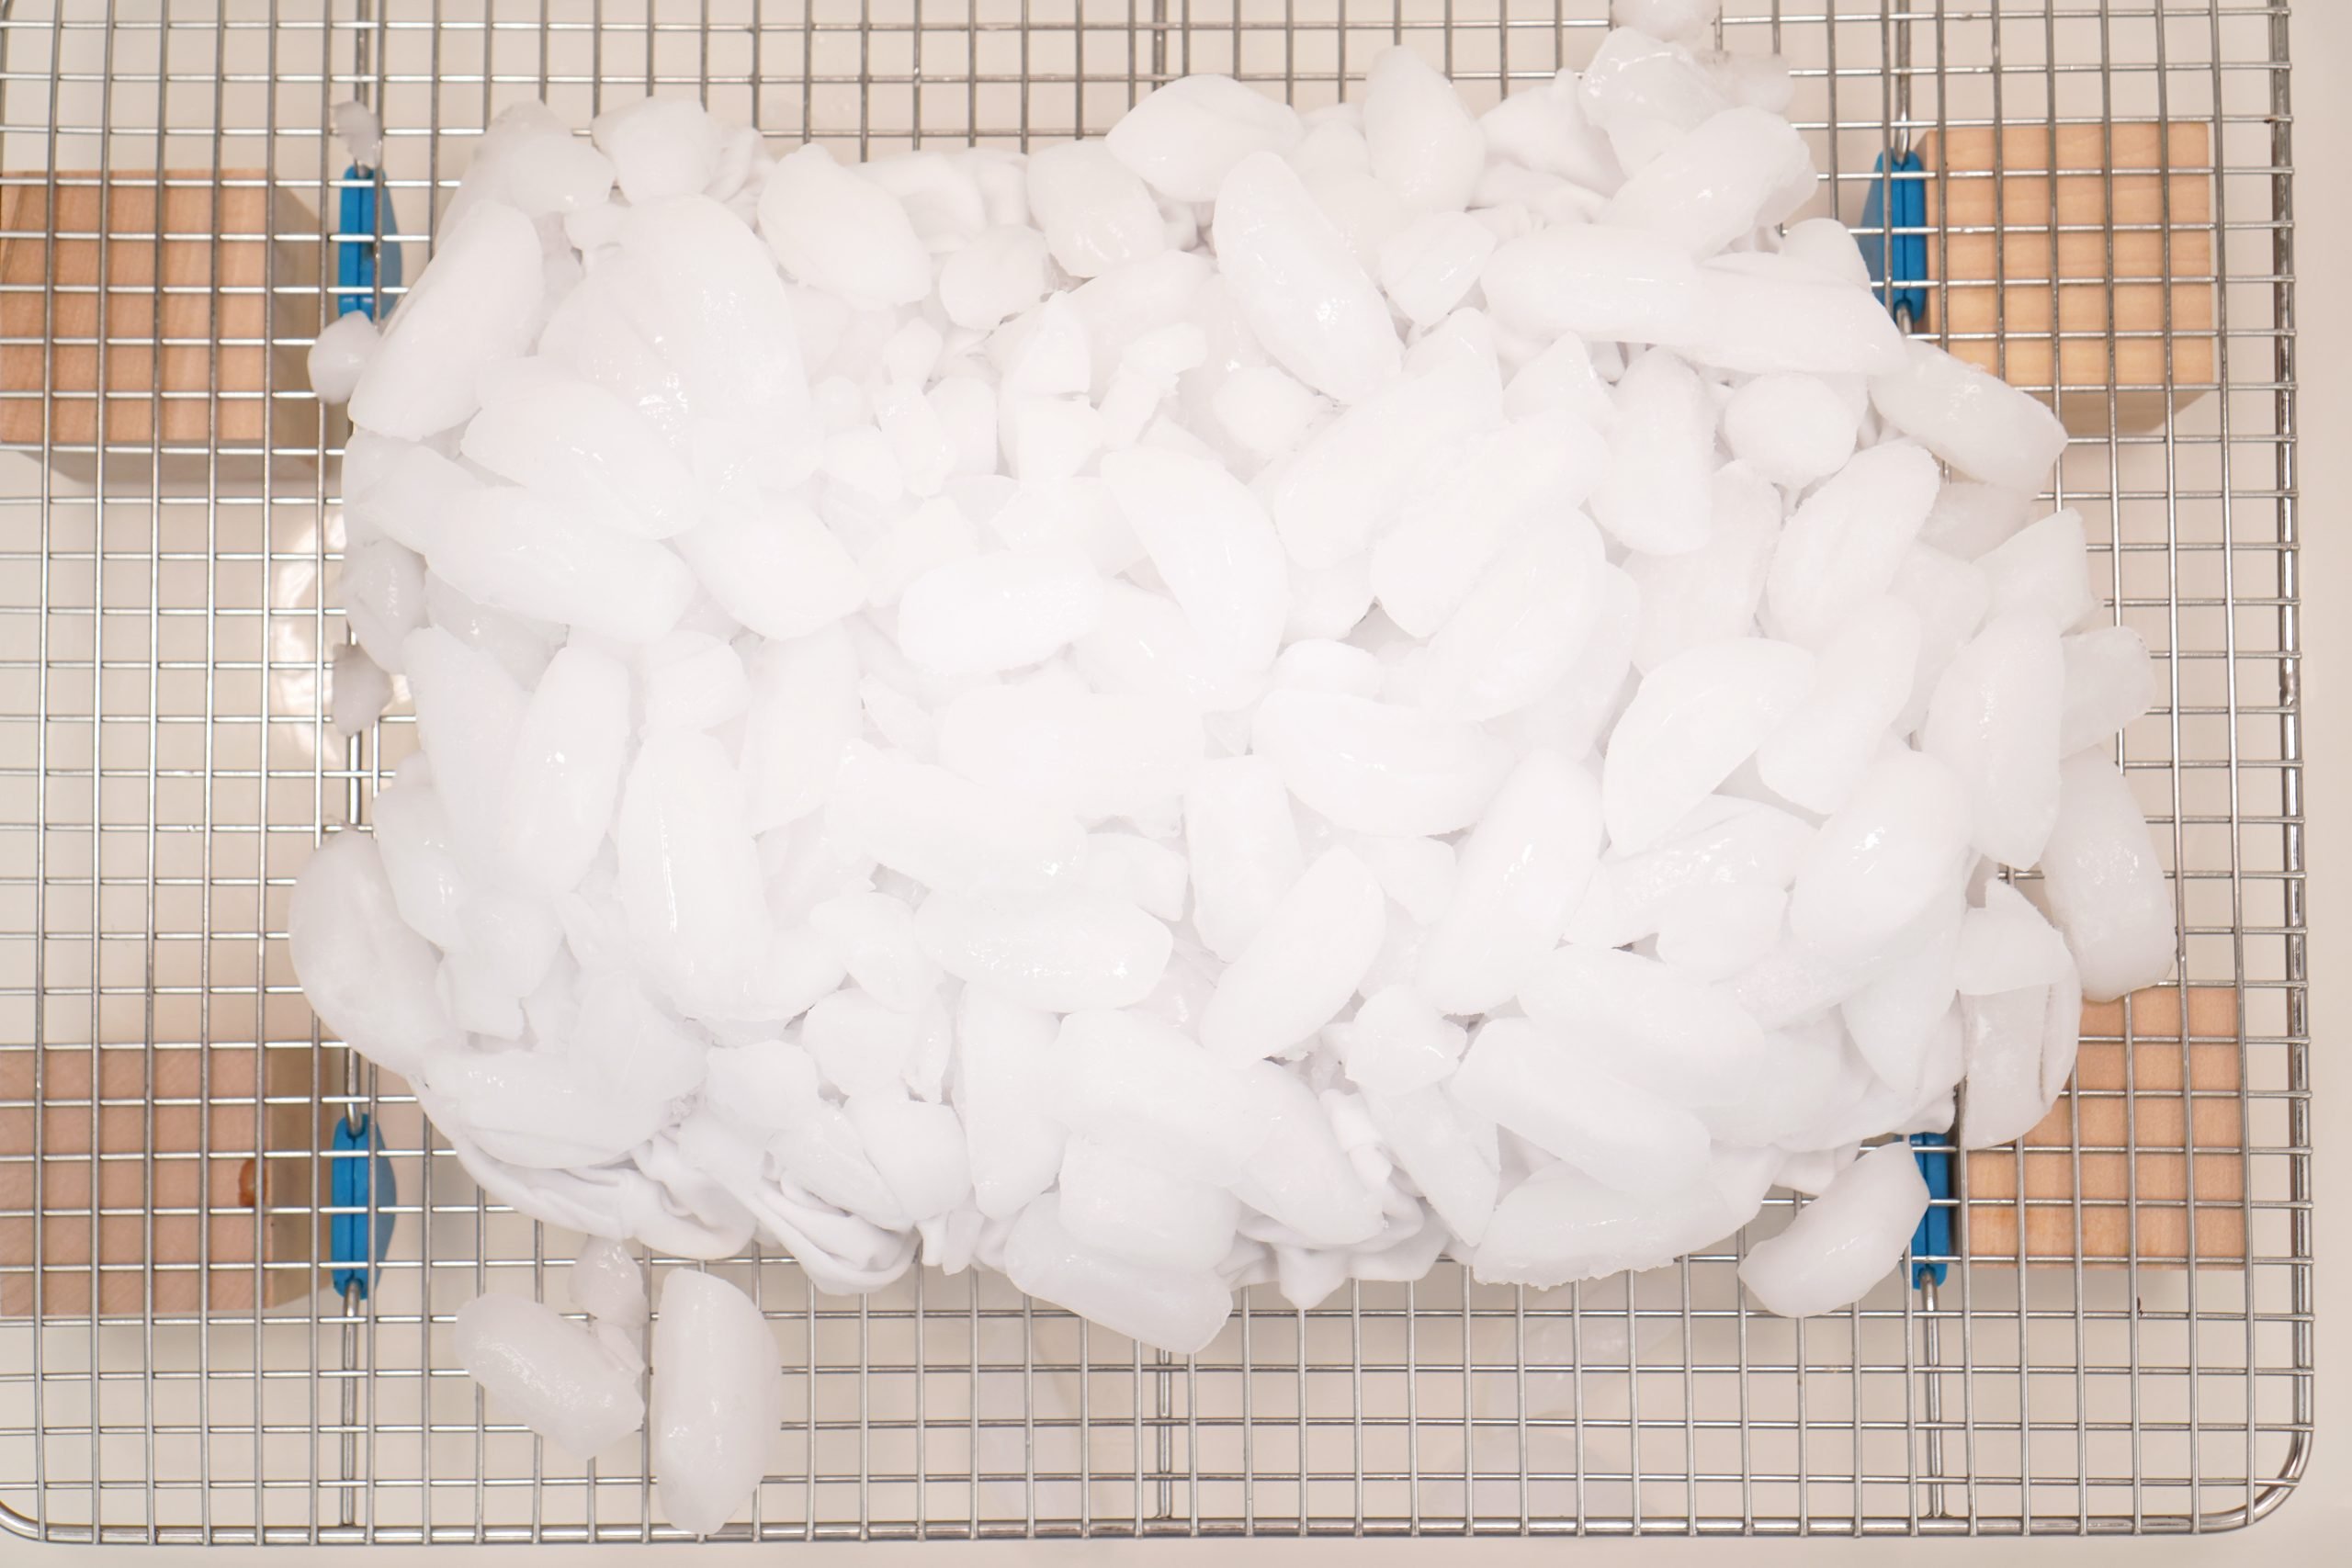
x,y
353,1247
365,260
1896,205
1933,1238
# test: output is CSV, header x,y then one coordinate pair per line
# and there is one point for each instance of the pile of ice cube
x,y
1265,699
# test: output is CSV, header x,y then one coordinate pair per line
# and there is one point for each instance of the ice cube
x,y
1844,1241
2106,881
835,231
1094,755
1654,1026
1860,683
370,977
1096,214
1423,144
689,877
2042,570
718,1400
1564,1101
1993,720
1306,298
1792,429
950,832
1378,767
918,1149
1428,267
1970,519
1449,1152
1761,314
1976,422
1629,284
1133,1212
1560,1225
1676,21
1063,952
1695,718
1176,1311
2111,681
1186,136
1244,846
1310,954
1300,1177
549,1372
565,773
474,307
1522,868
1213,544
1738,170
873,936
511,549
340,356
1132,1080
1655,496
359,690
1397,1042
1712,593
1001,273
1886,856
608,1285
989,613
1843,545
660,147
999,1089
803,712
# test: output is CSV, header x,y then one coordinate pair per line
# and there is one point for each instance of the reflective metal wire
x,y
165,765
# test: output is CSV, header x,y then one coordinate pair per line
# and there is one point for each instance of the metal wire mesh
x,y
173,1371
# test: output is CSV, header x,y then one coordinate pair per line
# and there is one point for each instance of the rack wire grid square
x,y
165,766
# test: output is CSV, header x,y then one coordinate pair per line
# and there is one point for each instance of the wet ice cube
x,y
549,1372
2106,881
1187,135
1844,1241
1695,718
1976,422
1308,299
836,231
718,1400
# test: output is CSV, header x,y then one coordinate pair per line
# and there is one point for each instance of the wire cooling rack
x,y
175,1370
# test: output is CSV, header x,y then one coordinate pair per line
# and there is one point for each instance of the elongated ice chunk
x,y
1844,1241
1522,870
1096,212
835,230
1897,845
510,549
2111,681
1063,952
1001,273
1739,169
1567,1103
1139,1213
579,444
2005,1038
1792,429
549,1372
1307,958
1378,767
999,1086
1860,683
2006,945
370,977
1449,1152
608,1285
1844,544
1213,544
1431,266
1092,755
1993,720
950,832
689,875
1652,1024
1422,143
1977,423
1307,300
1521,628
718,1400
1244,846
661,147
1185,137
1560,1225
2041,569
1760,314
1126,1078
565,773
772,564
474,307
997,612
1173,1310
1655,496
803,712
2106,882
1712,593
468,711
1601,283
703,293
1695,718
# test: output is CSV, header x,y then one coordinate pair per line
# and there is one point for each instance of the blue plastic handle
x,y
1893,206
365,260
355,1245
1933,1238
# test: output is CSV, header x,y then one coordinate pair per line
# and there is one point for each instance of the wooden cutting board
x,y
2032,225
2134,1137
184,268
